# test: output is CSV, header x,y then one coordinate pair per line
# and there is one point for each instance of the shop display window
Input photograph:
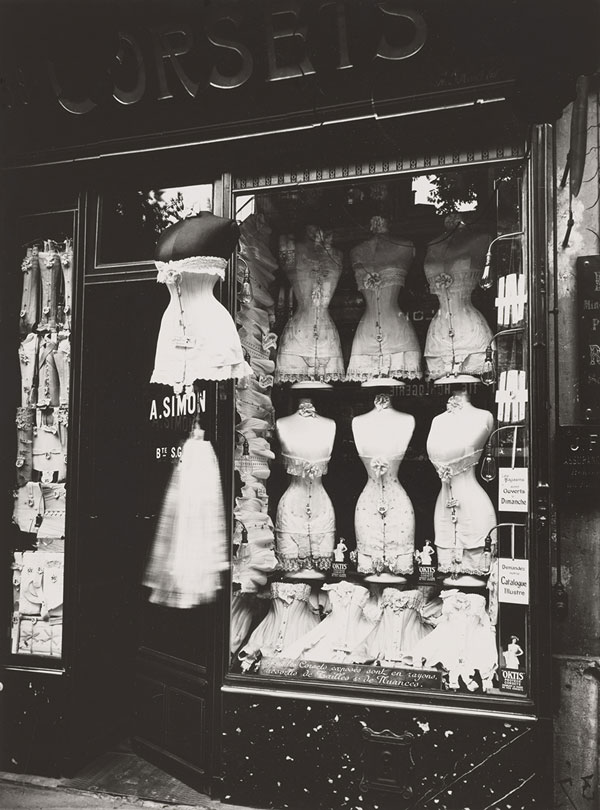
x,y
380,532
39,513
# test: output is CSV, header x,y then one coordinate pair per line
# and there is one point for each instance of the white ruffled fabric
x,y
190,544
198,339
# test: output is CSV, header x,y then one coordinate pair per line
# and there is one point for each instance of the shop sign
x,y
513,489
513,581
588,319
396,677
513,680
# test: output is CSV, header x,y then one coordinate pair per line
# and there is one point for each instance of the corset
x,y
48,453
55,511
448,469
24,461
48,381
66,263
28,361
50,274
62,362
28,315
28,508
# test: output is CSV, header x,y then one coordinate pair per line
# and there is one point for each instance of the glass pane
x,y
131,221
381,445
41,394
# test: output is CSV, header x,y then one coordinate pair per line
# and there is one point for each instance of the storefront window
x,y
42,426
131,221
380,522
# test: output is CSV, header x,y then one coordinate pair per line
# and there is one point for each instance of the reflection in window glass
x,y
384,418
132,220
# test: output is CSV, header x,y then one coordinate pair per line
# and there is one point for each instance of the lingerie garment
x,y
336,637
62,362
29,313
399,629
245,610
28,509
48,453
55,511
462,521
48,381
458,335
252,457
197,338
384,520
189,552
290,617
25,421
309,347
385,343
463,641
41,588
51,275
305,520
28,362
66,263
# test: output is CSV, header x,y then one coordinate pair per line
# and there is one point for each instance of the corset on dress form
x,y
397,632
458,335
464,513
385,343
305,520
309,347
50,273
197,338
336,637
290,616
31,290
28,362
384,520
463,641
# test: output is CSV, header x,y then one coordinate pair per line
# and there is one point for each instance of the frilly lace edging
x,y
232,371
171,271
398,373
334,376
295,564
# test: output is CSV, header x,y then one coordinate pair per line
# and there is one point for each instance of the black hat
x,y
201,235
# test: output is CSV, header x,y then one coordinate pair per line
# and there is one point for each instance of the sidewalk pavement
x,y
20,791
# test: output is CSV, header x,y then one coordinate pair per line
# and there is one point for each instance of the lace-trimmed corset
x,y
379,466
379,278
458,280
398,601
343,594
289,592
305,468
170,272
449,469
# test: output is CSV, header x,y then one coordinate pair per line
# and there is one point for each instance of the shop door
x,y
156,661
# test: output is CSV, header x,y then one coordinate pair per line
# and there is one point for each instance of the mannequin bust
x,y
305,520
384,519
464,513
309,347
198,338
458,335
385,343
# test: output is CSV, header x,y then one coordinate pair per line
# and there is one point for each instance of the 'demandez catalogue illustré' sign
x,y
588,319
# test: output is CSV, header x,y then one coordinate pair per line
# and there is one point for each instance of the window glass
x,y
131,221
382,443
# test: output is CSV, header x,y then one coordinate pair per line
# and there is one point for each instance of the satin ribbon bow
x,y
380,466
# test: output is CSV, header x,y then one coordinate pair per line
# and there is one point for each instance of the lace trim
x,y
170,272
290,591
457,466
400,373
24,418
295,564
305,468
333,376
378,565
209,372
401,601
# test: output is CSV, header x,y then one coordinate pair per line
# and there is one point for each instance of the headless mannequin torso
x,y
305,520
464,513
385,344
384,518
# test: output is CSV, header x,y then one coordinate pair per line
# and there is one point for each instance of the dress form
x,y
305,520
309,351
464,513
384,519
385,344
458,335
